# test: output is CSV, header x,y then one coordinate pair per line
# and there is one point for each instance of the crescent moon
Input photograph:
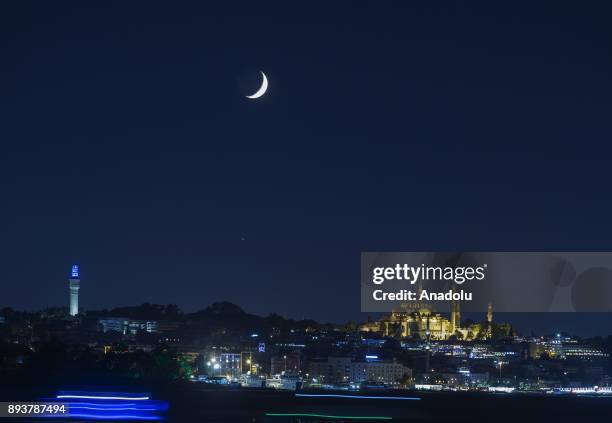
x,y
262,90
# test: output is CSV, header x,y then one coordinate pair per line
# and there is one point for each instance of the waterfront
x,y
431,407
191,402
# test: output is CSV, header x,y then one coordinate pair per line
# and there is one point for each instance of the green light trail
x,y
325,416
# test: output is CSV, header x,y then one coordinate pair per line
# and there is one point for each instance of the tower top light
x,y
74,274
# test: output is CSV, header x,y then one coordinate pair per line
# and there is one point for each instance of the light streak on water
x,y
356,397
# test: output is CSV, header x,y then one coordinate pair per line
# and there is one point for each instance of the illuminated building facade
x,y
378,371
565,348
345,370
127,326
229,365
422,322
584,352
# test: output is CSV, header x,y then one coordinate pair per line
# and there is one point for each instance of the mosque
x,y
419,320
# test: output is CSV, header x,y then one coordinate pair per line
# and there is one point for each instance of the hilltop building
x,y
419,320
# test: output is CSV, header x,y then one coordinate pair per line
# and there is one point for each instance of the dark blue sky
x,y
127,146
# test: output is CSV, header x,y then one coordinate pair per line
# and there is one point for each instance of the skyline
x,y
545,323
128,146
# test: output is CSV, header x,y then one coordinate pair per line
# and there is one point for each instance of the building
x,y
420,321
228,365
74,284
387,372
331,370
566,348
127,326
583,352
345,370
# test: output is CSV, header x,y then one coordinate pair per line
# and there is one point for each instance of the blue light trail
x,y
103,397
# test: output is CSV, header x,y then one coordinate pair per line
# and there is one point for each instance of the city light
x,y
75,271
356,397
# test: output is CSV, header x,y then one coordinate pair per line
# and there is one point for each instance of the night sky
x,y
127,146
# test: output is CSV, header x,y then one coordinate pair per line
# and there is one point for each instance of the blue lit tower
x,y
74,283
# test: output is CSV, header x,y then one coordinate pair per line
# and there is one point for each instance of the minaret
x,y
490,321
74,283
457,313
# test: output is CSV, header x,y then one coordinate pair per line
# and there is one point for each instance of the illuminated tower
x,y
74,283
